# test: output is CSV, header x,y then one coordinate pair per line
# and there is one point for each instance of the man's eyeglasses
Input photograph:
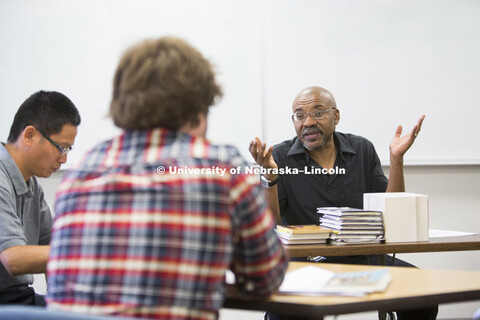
x,y
316,115
63,151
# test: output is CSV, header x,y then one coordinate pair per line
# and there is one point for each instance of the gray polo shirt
x,y
25,217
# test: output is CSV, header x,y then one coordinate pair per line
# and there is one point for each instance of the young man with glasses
x,y
295,198
43,132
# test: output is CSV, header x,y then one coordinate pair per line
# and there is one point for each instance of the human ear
x,y
336,116
28,135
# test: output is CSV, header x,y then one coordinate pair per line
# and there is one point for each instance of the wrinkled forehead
x,y
313,99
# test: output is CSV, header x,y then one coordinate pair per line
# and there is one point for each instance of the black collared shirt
x,y
300,194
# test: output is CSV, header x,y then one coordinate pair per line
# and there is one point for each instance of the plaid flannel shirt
x,y
136,236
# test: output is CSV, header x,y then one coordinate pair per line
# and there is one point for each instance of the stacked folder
x,y
302,234
351,225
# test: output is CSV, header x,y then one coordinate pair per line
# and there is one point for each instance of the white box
x,y
405,214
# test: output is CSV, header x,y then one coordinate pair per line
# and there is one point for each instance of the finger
x,y
398,132
259,147
253,149
416,129
419,124
266,150
268,154
258,141
260,153
414,132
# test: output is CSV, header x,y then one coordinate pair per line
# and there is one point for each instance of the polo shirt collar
x,y
296,148
340,141
13,172
343,145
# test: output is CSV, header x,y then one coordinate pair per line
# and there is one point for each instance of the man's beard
x,y
320,147
315,130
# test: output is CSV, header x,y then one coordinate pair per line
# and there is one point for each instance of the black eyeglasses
x,y
63,151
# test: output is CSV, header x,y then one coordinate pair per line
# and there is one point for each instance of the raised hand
x,y
400,144
261,154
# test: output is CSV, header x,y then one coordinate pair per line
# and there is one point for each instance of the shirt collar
x,y
13,171
340,141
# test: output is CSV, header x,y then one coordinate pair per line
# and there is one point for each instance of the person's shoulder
x,y
91,163
11,178
225,153
102,147
6,182
6,161
3,170
95,154
354,139
202,149
355,143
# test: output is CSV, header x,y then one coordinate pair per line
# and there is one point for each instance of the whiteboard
x,y
386,62
74,47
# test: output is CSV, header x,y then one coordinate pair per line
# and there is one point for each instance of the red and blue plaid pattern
x,y
130,240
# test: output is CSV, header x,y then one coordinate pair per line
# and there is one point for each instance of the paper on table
x,y
308,279
358,283
318,281
434,233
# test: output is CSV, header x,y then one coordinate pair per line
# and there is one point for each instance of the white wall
x,y
454,193
386,62
74,47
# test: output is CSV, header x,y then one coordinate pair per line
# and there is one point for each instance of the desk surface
x,y
409,288
461,243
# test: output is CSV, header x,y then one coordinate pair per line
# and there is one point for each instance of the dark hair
x,y
162,83
47,111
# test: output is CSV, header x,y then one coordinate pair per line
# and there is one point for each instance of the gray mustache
x,y
311,130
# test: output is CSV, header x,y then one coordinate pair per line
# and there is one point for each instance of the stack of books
x,y
352,226
302,234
